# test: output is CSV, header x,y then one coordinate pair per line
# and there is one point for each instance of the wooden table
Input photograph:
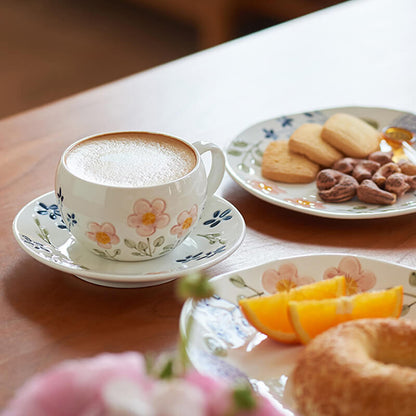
x,y
357,53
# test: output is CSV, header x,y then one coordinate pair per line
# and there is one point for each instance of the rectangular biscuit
x,y
350,135
307,141
280,164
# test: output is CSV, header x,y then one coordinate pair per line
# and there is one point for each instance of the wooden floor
x,y
50,49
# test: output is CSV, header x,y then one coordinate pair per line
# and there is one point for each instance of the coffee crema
x,y
131,159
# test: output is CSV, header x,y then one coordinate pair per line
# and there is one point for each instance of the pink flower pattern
x,y
184,221
148,216
306,203
266,187
283,279
358,280
104,235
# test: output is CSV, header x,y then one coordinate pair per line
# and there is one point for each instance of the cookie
x,y
280,164
307,141
350,135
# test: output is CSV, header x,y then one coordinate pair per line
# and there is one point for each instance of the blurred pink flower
x,y
283,279
219,401
104,235
117,384
185,220
178,397
166,398
358,280
216,392
148,216
74,387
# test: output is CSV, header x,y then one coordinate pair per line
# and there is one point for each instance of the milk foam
x,y
131,160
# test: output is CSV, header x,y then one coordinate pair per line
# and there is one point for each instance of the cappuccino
x,y
131,159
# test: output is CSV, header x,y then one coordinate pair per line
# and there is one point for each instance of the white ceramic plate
x,y
223,344
245,152
40,231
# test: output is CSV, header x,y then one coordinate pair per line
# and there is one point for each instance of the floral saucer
x,y
223,344
40,231
244,155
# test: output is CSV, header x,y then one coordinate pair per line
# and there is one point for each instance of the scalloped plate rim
x,y
187,310
310,210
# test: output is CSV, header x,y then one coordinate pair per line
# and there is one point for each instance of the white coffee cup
x,y
133,196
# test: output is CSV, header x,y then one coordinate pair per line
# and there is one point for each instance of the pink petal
x,y
94,227
141,206
182,233
158,206
162,220
350,265
194,211
91,236
182,217
305,281
74,387
108,228
176,230
366,280
331,272
269,280
288,271
145,230
178,398
114,239
133,220
218,398
106,245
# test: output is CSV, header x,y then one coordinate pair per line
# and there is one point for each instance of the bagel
x,y
365,367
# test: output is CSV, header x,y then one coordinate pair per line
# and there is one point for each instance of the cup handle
x,y
217,170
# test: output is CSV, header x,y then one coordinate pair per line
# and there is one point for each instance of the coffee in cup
x,y
134,195
131,160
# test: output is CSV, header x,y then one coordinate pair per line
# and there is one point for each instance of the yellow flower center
x,y
148,218
305,202
102,237
187,223
352,286
285,285
265,187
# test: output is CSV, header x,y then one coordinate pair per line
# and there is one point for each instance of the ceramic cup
x,y
134,196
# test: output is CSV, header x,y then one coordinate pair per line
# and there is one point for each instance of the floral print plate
x,y
223,344
244,155
40,231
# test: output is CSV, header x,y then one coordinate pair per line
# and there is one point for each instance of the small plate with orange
x,y
260,318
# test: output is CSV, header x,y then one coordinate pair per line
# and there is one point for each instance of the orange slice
x,y
311,317
269,314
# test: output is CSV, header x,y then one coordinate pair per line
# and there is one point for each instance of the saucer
x,y
40,231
